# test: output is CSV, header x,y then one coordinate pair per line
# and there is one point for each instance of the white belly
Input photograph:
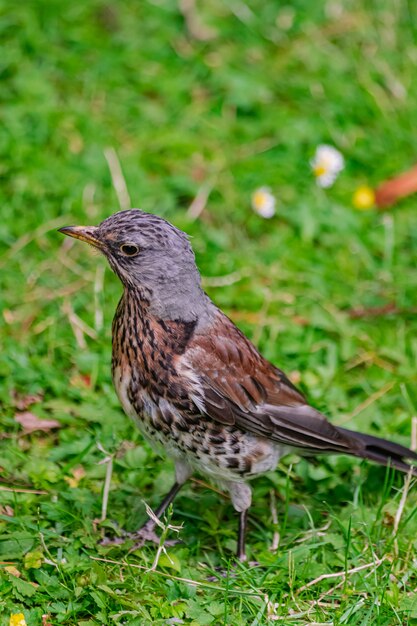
x,y
194,444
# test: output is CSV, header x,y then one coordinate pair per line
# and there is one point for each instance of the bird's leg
x,y
147,531
241,495
241,537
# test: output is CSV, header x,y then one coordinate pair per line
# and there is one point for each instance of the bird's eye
x,y
129,249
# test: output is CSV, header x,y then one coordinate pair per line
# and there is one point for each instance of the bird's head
x,y
149,255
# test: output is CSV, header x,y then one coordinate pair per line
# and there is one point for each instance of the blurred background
x,y
187,109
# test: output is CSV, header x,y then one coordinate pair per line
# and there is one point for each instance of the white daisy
x,y
326,165
263,202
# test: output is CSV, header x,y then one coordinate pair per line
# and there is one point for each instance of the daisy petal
x,y
326,164
263,202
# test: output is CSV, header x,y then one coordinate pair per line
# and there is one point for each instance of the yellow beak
x,y
83,233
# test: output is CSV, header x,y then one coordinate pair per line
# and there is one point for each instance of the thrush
x,y
195,386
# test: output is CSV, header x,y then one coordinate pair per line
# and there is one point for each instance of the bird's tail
x,y
382,451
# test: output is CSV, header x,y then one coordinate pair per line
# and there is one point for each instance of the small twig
x,y
106,489
36,492
246,151
188,581
79,328
118,180
199,203
372,358
330,591
108,460
271,616
263,321
366,403
342,573
195,28
23,241
389,239
68,262
319,532
46,294
407,482
378,311
210,487
276,537
242,11
273,607
51,560
43,325
166,527
88,200
98,289
159,522
224,281
373,311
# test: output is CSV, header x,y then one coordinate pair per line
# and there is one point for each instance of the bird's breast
x,y
222,452
141,406
161,393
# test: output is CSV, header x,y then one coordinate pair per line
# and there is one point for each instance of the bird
x,y
197,388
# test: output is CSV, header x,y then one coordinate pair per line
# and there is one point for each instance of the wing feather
x,y
241,388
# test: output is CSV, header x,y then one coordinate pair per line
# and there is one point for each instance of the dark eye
x,y
129,249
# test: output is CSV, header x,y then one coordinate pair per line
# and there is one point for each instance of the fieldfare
x,y
193,383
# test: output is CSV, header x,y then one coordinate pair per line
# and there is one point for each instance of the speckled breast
x,y
164,402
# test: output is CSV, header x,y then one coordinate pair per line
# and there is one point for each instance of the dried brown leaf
x,y
396,188
31,422
5,509
11,569
24,401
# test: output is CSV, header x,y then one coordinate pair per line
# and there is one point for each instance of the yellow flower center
x,y
320,169
259,199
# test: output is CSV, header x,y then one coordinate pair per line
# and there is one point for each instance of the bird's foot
x,y
139,537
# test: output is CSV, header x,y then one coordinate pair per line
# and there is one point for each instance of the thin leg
x,y
150,524
147,531
241,496
241,537
182,473
241,550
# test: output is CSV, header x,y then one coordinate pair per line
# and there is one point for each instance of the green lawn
x,y
219,102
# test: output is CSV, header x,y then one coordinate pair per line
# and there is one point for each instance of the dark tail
x,y
382,451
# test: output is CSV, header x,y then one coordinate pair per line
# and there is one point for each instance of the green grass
x,y
243,109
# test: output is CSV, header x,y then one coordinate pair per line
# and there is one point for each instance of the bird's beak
x,y
83,233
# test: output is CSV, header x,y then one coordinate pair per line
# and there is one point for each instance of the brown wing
x,y
241,388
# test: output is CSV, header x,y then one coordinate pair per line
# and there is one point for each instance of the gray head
x,y
151,257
